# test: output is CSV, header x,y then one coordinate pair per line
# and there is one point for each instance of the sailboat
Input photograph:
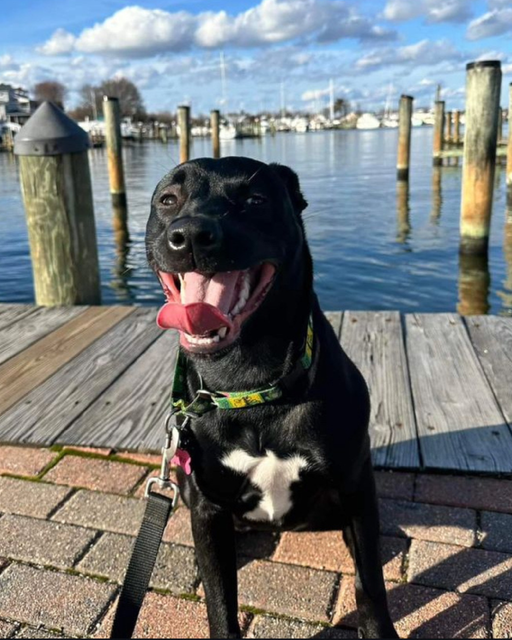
x,y
227,130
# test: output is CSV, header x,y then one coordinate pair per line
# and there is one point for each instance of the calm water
x,y
372,249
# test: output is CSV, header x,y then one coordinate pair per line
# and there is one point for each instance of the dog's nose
x,y
194,234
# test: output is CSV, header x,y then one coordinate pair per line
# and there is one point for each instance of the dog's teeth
x,y
216,338
222,332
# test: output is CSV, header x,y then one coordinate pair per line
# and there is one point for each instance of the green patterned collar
x,y
206,400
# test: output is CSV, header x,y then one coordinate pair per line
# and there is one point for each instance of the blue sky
x,y
371,49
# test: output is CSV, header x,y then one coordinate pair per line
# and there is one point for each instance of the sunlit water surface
x,y
372,249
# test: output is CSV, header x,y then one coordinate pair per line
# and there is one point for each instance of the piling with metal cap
x,y
483,83
215,126
438,133
404,137
57,195
184,125
509,150
114,141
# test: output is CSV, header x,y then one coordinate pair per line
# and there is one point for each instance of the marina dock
x,y
101,376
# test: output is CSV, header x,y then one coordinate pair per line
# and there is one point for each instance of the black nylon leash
x,y
142,562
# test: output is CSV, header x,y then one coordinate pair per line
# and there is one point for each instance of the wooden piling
x,y
184,125
456,126
215,126
509,150
404,137
114,143
483,83
438,133
57,194
164,134
448,135
437,194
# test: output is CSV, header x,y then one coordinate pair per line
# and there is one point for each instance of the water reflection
x,y
121,272
474,283
437,194
403,211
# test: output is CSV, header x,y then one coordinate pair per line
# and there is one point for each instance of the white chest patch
x,y
272,475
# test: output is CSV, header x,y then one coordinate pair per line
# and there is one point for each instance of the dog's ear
x,y
291,182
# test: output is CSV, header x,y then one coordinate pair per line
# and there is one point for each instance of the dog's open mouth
x,y
209,309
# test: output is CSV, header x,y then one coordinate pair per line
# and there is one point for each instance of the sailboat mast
x,y
331,103
223,81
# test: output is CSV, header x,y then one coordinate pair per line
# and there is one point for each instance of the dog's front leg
x,y
214,539
362,537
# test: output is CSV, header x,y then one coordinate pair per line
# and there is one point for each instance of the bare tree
x,y
130,100
50,90
341,107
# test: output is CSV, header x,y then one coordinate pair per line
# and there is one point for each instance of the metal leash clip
x,y
172,440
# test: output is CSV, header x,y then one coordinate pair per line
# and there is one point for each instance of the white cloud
x,y
137,32
60,43
493,23
419,54
432,10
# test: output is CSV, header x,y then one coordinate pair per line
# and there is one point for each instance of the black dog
x,y
227,241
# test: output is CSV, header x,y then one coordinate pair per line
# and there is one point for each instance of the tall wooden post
x,y
437,194
509,150
184,125
215,126
404,137
57,194
456,126
113,138
448,135
483,83
438,133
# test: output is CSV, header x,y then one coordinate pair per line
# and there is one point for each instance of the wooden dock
x,y
441,385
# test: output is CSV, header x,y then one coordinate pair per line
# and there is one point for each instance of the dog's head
x,y
224,237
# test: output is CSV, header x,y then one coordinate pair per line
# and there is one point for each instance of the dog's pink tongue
x,y
205,303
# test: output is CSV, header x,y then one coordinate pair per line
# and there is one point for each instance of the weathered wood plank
x,y
21,334
459,422
335,318
129,414
47,411
10,313
492,338
374,342
22,373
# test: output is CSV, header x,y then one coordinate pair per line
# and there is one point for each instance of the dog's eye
x,y
169,200
255,200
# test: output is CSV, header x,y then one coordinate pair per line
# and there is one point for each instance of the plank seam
x,y
403,327
486,377
102,392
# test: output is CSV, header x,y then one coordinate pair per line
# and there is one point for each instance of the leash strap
x,y
142,562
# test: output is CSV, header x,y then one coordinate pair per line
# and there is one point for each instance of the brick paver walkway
x,y
69,517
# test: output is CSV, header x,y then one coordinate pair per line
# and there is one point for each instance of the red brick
x,y
167,617
428,522
55,600
421,612
394,484
486,573
179,528
502,620
465,491
7,629
269,627
24,461
143,458
293,591
96,474
326,550
36,499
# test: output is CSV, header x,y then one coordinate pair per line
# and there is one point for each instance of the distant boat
x,y
300,125
416,121
367,121
228,132
390,122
